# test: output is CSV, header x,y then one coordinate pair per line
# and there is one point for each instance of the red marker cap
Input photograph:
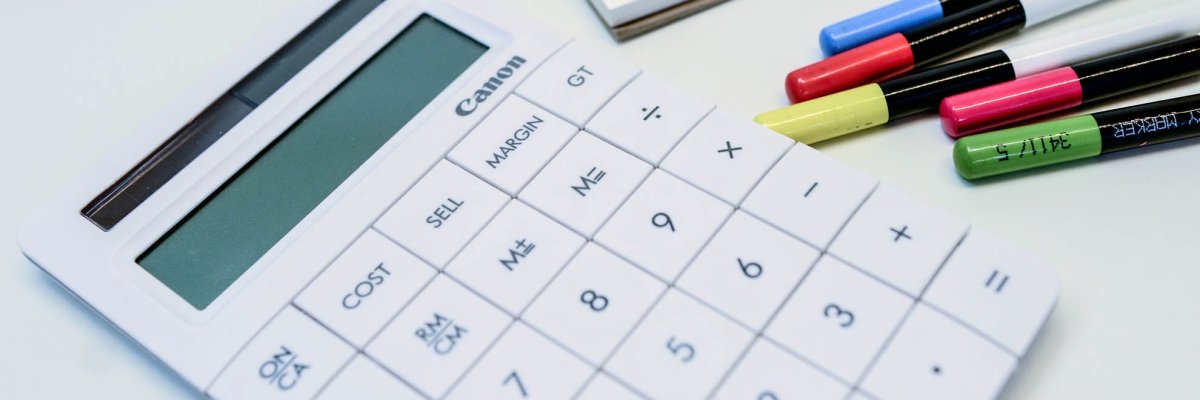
x,y
995,106
869,63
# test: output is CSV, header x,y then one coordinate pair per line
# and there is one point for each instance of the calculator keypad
x,y
1002,291
726,155
554,259
512,144
524,365
648,118
680,350
594,303
585,183
839,318
899,239
292,357
603,387
365,287
441,213
576,82
515,256
809,195
437,337
770,372
362,379
748,269
663,225
934,357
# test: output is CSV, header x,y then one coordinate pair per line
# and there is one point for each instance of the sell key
x,y
441,213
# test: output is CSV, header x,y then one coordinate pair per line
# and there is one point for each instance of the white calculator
x,y
442,199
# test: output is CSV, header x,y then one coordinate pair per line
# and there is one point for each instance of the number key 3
x,y
838,318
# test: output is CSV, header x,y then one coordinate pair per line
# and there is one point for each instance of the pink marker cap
x,y
1014,101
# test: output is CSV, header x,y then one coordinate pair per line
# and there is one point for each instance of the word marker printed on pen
x,y
1075,138
879,103
883,21
901,52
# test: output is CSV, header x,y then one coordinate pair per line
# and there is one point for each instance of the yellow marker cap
x,y
830,116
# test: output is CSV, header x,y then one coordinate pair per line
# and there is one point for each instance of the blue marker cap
x,y
865,28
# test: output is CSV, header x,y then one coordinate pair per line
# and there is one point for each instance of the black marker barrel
x,y
952,7
1148,124
982,23
896,54
923,91
1135,70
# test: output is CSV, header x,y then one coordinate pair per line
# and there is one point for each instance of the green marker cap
x,y
1026,147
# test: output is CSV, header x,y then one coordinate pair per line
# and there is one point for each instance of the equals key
x,y
998,282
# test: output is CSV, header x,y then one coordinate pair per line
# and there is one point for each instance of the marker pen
x,y
874,104
892,18
1079,137
1069,87
901,52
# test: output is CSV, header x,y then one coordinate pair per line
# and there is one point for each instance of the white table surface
x,y
76,76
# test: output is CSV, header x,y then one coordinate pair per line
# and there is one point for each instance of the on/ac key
x,y
443,212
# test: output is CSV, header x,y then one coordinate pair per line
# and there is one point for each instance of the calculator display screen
x,y
238,223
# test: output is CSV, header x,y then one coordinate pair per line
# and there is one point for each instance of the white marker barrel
x,y
1142,29
1038,11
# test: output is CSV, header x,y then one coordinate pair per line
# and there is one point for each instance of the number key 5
x,y
681,349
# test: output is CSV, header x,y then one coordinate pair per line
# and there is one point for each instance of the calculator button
x,y
648,118
524,365
291,358
769,373
726,155
441,212
365,380
748,269
809,195
585,183
1003,292
681,349
593,303
839,318
365,287
512,144
860,396
663,225
515,256
576,81
604,387
437,337
933,357
899,239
